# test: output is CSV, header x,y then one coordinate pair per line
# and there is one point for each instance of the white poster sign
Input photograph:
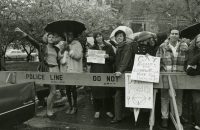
x,y
138,94
96,56
146,68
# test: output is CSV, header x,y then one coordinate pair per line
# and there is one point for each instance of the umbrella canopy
x,y
65,26
191,31
128,31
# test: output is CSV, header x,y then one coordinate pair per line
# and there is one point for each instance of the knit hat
x,y
144,36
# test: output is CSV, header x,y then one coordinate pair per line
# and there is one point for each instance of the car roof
x,y
14,50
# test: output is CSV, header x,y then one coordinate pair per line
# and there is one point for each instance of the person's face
x,y
119,38
99,39
198,42
50,39
152,42
57,38
70,36
174,35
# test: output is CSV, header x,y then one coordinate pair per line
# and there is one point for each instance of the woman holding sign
x,y
102,95
125,54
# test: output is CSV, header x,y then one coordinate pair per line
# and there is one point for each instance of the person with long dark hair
x,y
102,96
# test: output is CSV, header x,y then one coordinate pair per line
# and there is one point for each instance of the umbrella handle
x,y
65,48
65,35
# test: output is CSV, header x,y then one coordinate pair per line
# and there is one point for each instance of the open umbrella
x,y
128,31
191,31
61,26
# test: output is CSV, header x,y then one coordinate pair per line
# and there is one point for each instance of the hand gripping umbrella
x,y
191,31
62,26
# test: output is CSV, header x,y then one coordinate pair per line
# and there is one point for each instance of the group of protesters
x,y
64,53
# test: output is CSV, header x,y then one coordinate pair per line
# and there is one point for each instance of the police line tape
x,y
181,80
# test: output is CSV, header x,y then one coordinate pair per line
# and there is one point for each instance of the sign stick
x,y
136,113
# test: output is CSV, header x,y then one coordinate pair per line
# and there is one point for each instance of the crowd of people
x,y
64,53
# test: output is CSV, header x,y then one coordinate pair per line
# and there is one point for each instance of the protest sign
x,y
96,56
138,94
146,68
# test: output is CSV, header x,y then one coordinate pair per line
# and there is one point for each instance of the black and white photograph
x,y
99,64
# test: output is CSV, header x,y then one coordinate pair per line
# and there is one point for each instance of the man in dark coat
x,y
193,69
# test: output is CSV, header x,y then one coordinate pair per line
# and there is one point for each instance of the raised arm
x,y
34,42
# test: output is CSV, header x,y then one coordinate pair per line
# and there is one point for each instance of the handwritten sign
x,y
96,56
138,94
146,68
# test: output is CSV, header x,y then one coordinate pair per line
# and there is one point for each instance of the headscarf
x,y
121,32
193,44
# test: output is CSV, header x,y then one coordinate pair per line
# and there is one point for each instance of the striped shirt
x,y
52,55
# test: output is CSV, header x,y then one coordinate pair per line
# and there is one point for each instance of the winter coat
x,y
73,58
169,62
193,59
108,66
124,57
126,54
103,92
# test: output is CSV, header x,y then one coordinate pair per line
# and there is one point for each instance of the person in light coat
x,y
71,63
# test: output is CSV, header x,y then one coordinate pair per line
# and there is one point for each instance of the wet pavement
x,y
84,119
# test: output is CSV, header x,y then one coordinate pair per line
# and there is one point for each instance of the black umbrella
x,y
65,26
191,31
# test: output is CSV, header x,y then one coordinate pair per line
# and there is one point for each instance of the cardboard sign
x,y
146,68
138,94
96,56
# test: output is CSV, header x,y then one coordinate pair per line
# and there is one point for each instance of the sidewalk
x,y
84,119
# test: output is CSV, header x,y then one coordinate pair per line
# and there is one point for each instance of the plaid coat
x,y
169,62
